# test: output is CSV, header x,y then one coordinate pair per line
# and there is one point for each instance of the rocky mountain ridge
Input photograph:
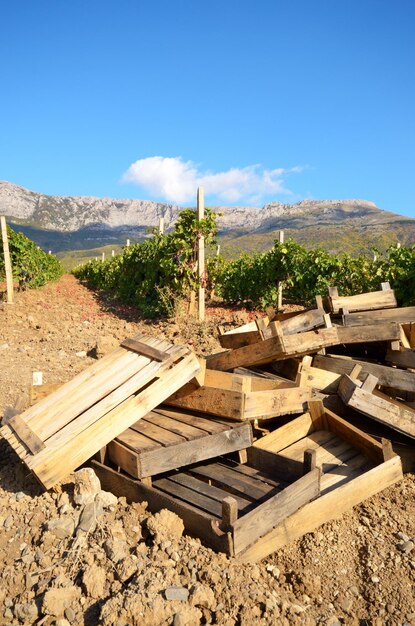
x,y
71,213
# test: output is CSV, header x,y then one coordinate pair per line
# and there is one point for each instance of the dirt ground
x,y
76,555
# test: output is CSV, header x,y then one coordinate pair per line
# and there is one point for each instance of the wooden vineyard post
x,y
7,263
279,284
201,254
161,226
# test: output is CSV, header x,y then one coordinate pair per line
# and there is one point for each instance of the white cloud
x,y
176,180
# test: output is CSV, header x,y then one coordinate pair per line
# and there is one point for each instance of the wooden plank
x,y
7,262
145,350
209,490
188,431
124,457
364,301
27,436
160,435
276,465
195,521
254,471
172,457
366,444
235,482
325,508
301,322
379,407
344,472
267,404
195,419
365,334
272,349
257,523
223,402
402,358
287,434
402,315
138,443
189,496
387,376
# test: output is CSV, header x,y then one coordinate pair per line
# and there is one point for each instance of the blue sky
x,y
257,101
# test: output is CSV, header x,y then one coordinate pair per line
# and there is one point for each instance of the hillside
x,y
80,223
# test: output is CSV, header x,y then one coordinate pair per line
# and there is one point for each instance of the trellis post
x,y
201,254
279,284
7,263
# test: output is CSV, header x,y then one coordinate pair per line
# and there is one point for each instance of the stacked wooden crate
x,y
252,446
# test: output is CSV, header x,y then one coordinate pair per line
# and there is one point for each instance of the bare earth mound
x,y
93,559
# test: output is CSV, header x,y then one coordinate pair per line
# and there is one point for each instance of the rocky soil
x,y
77,555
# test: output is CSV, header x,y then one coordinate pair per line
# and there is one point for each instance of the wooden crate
x,y
383,299
241,397
228,505
354,467
64,429
169,439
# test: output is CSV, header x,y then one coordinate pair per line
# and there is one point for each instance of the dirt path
x,y
356,570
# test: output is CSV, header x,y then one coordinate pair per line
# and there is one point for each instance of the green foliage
x,y
158,272
30,265
154,273
252,279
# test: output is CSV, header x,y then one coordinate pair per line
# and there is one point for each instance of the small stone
x,y
26,612
106,499
8,522
61,622
94,580
56,600
116,549
354,590
165,526
70,614
201,595
177,593
375,579
86,486
81,354
20,496
61,527
8,615
402,536
105,345
406,547
346,604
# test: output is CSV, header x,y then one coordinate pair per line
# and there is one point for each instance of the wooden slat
x,y
379,407
197,499
387,376
402,358
384,299
145,350
156,433
248,529
25,434
403,315
242,485
215,493
208,425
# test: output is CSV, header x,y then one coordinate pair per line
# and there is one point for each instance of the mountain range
x,y
64,223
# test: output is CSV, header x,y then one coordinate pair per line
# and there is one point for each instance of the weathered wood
x,y
401,358
7,262
387,376
384,299
274,464
257,523
365,334
229,513
25,434
145,350
310,460
325,508
161,459
378,406
402,315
